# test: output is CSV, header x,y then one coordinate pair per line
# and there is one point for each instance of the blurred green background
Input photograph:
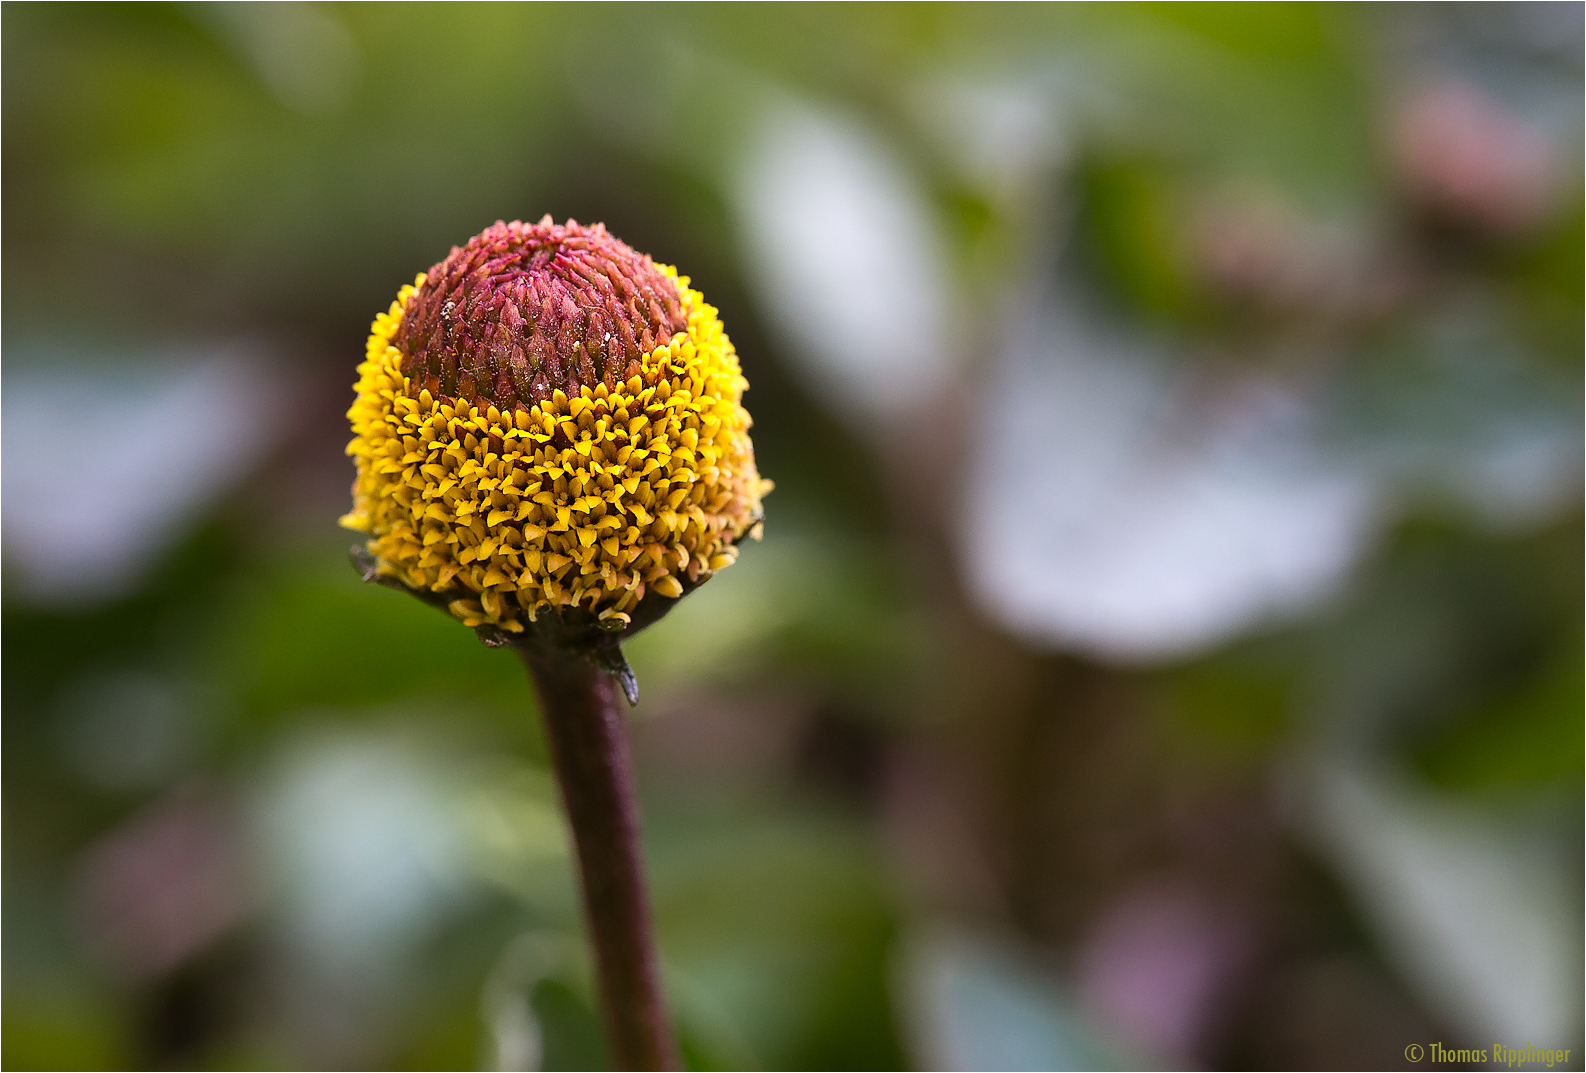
x,y
1165,650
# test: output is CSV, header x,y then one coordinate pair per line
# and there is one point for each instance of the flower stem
x,y
589,748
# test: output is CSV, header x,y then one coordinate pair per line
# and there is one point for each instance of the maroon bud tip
x,y
524,309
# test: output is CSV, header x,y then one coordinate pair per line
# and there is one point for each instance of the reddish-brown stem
x,y
589,747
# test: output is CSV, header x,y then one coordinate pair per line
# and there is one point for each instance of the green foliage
x,y
1526,741
305,633
45,1031
1131,223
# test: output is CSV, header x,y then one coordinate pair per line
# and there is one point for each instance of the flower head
x,y
549,422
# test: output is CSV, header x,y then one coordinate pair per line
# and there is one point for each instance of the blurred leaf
x,y
306,633
1230,708
977,1005
1130,227
1530,739
573,1035
809,601
1546,281
1274,92
778,919
47,1029
1478,909
1294,33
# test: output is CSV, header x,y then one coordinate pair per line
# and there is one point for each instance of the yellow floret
x,y
584,502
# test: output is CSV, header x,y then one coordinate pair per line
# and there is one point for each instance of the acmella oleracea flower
x,y
548,421
550,445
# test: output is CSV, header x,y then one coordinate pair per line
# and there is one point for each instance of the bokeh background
x,y
1166,645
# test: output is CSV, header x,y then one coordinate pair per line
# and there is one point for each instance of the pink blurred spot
x,y
1251,245
160,887
1464,155
1158,965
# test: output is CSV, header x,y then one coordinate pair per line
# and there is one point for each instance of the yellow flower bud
x,y
549,422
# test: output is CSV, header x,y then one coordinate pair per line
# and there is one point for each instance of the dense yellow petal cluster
x,y
588,502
